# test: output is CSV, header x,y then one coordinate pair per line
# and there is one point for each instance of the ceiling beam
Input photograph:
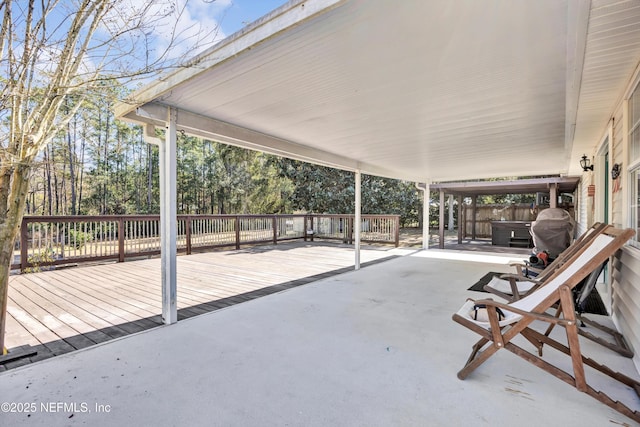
x,y
217,130
521,186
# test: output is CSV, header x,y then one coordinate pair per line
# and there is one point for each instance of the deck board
x,y
63,310
109,293
81,297
65,302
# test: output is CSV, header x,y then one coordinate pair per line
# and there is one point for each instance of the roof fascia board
x,y
286,16
205,127
218,130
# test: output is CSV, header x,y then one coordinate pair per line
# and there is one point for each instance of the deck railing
x,y
59,240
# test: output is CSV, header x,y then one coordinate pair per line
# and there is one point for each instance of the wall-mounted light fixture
x,y
585,163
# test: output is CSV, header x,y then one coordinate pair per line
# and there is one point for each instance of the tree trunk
x,y
72,175
82,150
56,193
105,171
63,188
49,192
9,227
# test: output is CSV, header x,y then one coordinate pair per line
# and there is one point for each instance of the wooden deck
x,y
59,311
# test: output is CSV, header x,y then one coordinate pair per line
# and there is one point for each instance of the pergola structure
x,y
424,91
461,190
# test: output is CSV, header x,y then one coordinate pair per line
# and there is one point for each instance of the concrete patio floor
x,y
374,347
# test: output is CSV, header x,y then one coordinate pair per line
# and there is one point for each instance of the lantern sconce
x,y
585,163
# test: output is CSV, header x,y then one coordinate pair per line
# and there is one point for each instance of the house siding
x,y
626,298
625,265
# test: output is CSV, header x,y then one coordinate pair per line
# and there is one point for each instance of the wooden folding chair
x,y
499,323
511,289
515,286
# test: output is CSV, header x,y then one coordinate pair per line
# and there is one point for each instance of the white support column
x,y
168,220
425,216
425,213
441,221
357,222
451,224
553,196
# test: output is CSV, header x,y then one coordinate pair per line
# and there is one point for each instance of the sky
x,y
186,23
216,18
162,29
195,25
238,13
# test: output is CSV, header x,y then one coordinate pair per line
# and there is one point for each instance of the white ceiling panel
x,y
422,90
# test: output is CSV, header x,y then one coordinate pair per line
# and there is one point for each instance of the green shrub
x,y
46,256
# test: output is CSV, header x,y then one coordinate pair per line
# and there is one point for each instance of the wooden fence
x,y
497,212
494,212
59,240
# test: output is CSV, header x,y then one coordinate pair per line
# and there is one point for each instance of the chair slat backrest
x,y
590,256
593,231
573,270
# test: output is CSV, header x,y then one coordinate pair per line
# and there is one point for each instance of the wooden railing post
x,y
305,228
120,239
313,229
350,225
24,248
237,227
187,225
397,231
274,223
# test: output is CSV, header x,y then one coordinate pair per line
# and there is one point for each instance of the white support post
x,y
553,196
168,220
441,221
425,216
425,213
357,222
451,225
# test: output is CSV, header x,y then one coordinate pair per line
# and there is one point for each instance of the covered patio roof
x,y
424,91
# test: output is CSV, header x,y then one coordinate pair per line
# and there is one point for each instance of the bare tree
x,y
53,54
